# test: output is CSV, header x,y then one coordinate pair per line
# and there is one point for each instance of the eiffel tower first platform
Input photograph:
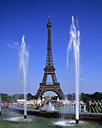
x,y
49,70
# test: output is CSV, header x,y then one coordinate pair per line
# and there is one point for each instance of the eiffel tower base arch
x,y
50,87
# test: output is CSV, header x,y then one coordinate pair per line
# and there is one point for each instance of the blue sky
x,y
29,17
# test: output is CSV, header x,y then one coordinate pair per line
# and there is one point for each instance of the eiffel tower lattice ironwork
x,y
49,70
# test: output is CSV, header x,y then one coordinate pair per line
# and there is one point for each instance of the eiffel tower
x,y
49,70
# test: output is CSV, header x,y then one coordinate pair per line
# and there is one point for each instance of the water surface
x,y
10,119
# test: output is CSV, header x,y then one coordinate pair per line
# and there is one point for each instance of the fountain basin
x,y
57,114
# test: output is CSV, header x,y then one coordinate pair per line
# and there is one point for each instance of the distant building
x,y
29,102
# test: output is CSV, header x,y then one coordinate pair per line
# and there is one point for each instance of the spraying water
x,y
48,107
24,55
75,43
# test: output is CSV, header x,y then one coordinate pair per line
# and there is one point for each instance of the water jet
x,y
75,43
24,55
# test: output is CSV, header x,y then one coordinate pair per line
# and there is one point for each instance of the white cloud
x,y
13,45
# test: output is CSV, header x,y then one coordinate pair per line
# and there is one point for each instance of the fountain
x,y
69,114
24,55
48,107
75,42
